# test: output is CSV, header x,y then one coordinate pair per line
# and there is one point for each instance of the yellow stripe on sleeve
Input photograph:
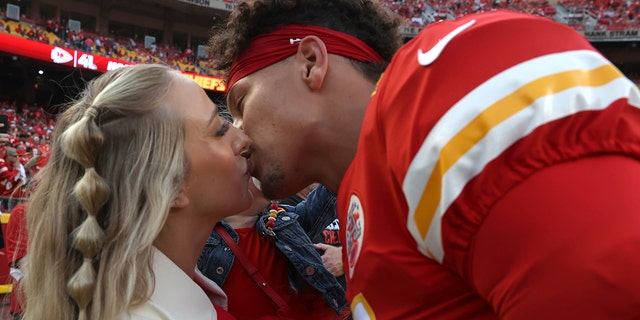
x,y
489,118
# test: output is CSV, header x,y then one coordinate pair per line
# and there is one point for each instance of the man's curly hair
x,y
367,20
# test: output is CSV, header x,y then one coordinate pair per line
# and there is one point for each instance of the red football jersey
x,y
495,177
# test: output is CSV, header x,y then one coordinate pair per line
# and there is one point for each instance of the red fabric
x,y
15,240
9,181
617,134
390,278
45,152
223,314
281,43
548,236
273,265
16,234
241,289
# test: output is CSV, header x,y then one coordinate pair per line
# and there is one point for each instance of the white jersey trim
x,y
499,136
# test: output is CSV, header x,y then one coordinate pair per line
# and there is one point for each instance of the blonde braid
x,y
123,126
82,142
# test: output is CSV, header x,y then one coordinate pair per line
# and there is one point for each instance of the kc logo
x,y
354,232
59,55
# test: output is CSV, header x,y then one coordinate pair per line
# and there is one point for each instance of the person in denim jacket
x,y
326,241
305,267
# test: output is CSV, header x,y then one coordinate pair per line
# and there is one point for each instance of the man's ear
x,y
180,201
313,58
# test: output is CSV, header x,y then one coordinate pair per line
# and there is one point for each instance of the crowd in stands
x,y
606,14
609,14
54,32
419,13
580,14
30,129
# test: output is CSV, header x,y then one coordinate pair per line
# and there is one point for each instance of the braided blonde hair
x,y
117,163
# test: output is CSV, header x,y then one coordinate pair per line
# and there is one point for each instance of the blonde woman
x,y
142,168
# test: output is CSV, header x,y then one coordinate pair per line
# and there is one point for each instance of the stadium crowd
x,y
598,14
54,32
580,14
30,129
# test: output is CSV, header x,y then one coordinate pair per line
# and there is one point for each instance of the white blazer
x,y
177,297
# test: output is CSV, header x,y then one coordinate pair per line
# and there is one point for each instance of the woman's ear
x,y
180,201
313,58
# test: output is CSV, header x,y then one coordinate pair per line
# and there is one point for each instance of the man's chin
x,y
275,186
269,192
274,190
277,193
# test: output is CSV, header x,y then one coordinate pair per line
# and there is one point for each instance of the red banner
x,y
78,59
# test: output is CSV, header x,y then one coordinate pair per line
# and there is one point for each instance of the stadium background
x,y
50,48
180,29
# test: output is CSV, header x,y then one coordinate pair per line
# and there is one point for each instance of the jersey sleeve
x,y
564,244
468,118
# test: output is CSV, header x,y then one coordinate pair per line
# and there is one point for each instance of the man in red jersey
x,y
491,173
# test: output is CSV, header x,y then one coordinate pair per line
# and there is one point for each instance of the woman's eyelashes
x,y
223,129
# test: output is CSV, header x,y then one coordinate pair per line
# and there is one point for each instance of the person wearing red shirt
x,y
490,173
273,241
16,249
12,179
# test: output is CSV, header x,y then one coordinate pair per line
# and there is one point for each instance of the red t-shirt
x,y
242,291
9,181
247,301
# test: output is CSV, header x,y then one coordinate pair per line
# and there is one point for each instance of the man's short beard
x,y
273,184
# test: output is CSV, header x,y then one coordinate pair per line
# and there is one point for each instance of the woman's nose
x,y
242,143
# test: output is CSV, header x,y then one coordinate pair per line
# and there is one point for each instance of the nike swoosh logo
x,y
427,58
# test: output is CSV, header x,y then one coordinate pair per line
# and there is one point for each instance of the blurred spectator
x,y
16,249
12,178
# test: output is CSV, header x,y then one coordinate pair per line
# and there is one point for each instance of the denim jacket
x,y
312,215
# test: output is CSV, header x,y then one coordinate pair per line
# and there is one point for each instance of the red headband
x,y
267,49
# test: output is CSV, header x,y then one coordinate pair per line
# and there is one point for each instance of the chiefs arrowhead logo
x,y
59,55
354,232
